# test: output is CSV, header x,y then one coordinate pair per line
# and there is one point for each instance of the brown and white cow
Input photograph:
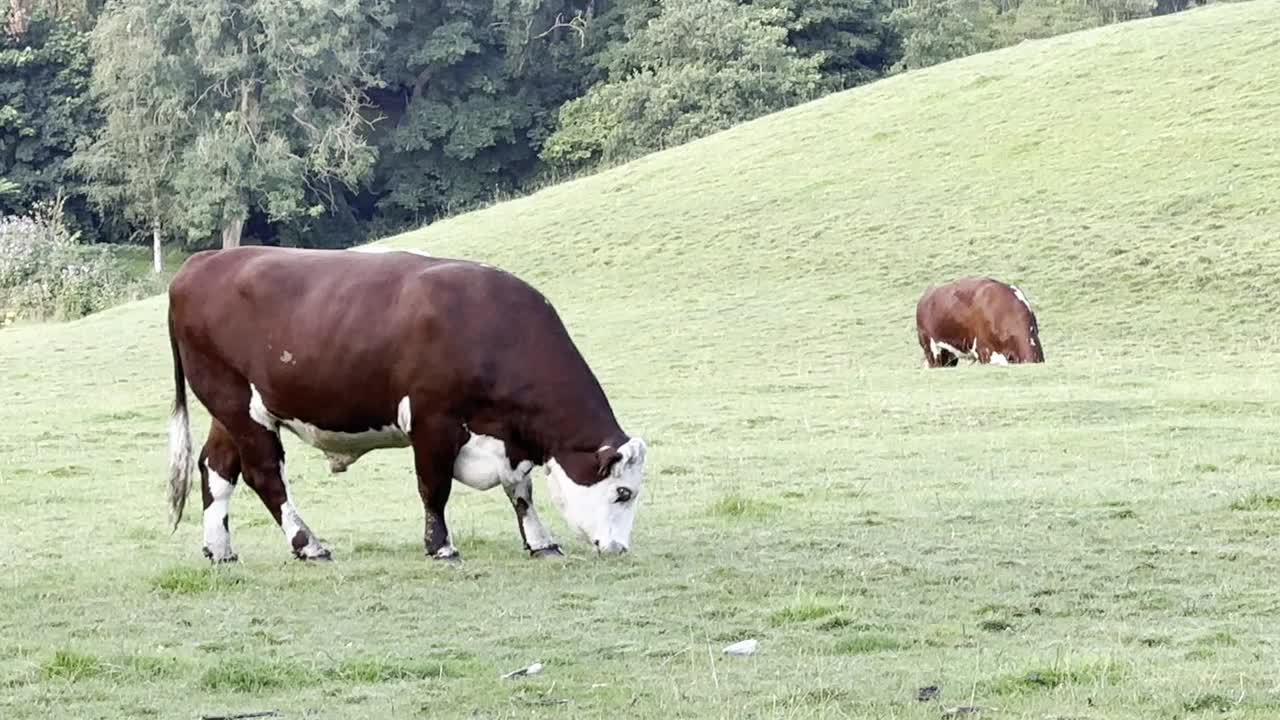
x,y
352,352
978,318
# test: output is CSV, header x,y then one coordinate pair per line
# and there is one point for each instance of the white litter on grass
x,y
533,669
746,647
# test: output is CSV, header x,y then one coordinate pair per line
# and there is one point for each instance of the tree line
x,y
321,123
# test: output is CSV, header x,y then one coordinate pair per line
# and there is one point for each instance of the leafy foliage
x,y
854,38
45,109
698,67
935,31
262,105
471,92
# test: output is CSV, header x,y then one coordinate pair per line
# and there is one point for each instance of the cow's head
x,y
1026,332
597,493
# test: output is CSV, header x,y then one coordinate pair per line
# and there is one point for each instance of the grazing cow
x,y
978,318
352,352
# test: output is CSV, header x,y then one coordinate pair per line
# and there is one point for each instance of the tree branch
x,y
420,83
578,24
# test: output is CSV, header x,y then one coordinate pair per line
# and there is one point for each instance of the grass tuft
x,y
253,675
1085,675
381,670
1210,702
736,506
194,580
801,612
71,666
995,625
1257,501
867,643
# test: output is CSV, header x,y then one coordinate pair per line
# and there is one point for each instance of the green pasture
x,y
1095,537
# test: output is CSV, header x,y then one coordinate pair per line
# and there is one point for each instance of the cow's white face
x,y
604,510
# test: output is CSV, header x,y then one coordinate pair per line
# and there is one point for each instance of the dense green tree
x,y
45,109
132,164
471,92
698,67
262,103
854,38
935,31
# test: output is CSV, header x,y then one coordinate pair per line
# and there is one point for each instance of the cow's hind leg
x,y
236,406
436,445
262,457
219,470
537,540
928,352
937,354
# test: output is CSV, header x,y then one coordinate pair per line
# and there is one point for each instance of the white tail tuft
x,y
179,463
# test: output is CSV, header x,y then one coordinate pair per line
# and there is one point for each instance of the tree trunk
x,y
231,233
19,17
157,257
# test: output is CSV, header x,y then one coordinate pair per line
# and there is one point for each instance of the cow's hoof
x,y
218,560
449,555
548,551
319,554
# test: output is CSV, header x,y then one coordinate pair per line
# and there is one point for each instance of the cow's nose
x,y
610,548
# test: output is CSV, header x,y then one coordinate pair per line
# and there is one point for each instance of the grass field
x,y
1091,538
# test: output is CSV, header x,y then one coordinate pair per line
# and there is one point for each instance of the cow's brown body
x,y
978,318
359,351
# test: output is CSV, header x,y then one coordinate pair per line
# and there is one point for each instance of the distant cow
x,y
352,352
978,318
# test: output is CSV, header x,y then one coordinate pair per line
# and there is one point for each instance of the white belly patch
x,y
395,435
482,463
340,443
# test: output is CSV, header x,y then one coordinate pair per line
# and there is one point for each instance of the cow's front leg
x,y
519,489
435,446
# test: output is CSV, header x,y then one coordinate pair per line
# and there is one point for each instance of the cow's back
x,y
349,329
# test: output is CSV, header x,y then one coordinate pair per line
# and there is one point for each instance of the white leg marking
x,y
291,523
404,415
483,464
998,359
217,539
536,535
447,550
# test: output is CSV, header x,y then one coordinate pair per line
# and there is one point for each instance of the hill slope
x,y
1128,178
1088,536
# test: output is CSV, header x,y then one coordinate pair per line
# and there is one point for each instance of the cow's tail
x,y
179,439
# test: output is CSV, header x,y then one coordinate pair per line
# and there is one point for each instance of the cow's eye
x,y
624,495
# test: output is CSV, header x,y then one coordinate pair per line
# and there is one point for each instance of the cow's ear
x,y
606,458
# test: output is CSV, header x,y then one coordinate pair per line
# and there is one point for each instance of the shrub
x,y
46,274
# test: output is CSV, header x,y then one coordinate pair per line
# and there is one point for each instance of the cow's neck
x,y
578,422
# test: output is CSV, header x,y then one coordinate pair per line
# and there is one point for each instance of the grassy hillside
x,y
1090,538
